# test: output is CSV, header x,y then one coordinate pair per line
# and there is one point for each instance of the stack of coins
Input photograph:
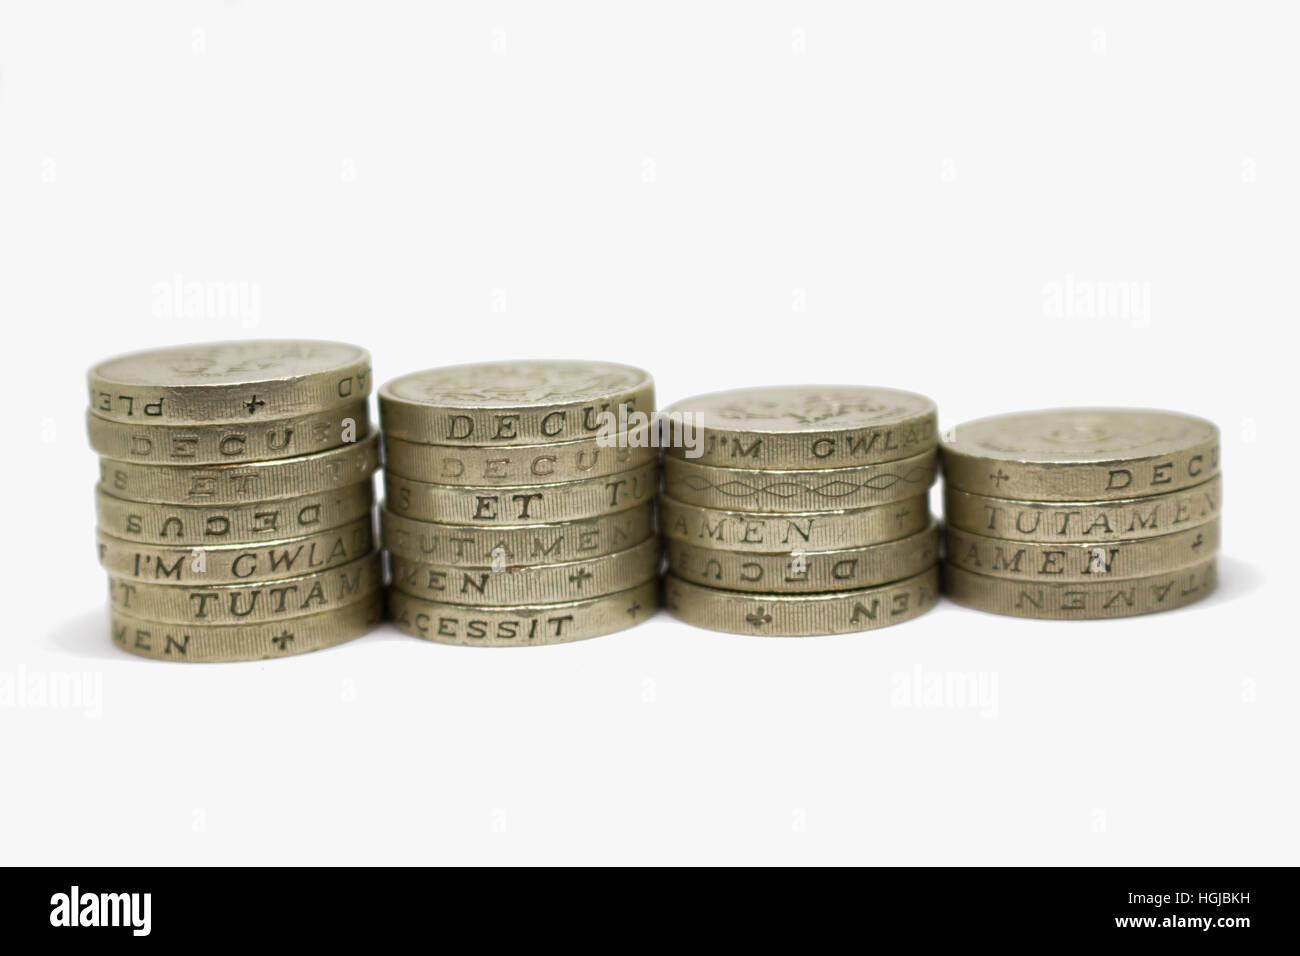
x,y
800,510
236,500
519,501
1081,513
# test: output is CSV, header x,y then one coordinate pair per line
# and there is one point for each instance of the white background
x,y
726,194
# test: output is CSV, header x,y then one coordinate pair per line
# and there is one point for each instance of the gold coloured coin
x,y
778,492
1081,454
1097,561
205,643
801,615
528,584
1123,519
805,426
467,545
554,623
513,403
1080,600
230,382
222,444
809,530
519,504
802,572
233,563
232,524
243,482
251,602
517,464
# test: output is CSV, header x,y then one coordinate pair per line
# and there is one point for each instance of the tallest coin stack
x,y
519,501
235,500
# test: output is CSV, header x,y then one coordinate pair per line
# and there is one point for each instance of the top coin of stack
x,y
519,501
235,501
1081,512
800,510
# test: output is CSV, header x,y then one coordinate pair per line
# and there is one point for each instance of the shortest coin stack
x,y
235,501
800,510
1081,513
519,501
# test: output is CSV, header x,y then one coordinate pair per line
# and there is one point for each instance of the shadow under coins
x,y
1237,579
87,636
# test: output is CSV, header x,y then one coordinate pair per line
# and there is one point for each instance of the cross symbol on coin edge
x,y
579,576
998,478
282,640
760,617
636,606
253,404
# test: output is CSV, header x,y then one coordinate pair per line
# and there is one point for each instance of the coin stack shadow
x,y
236,500
801,510
1081,513
519,501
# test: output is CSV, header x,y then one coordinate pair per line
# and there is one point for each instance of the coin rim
x,y
800,431
768,597
1140,454
95,372
908,547
649,589
346,629
978,605
1152,542
385,391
